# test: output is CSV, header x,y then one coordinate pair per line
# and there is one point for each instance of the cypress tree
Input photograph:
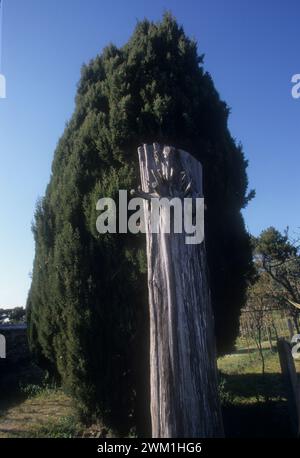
x,y
87,306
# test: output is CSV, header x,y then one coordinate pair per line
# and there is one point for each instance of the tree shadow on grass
x,y
257,420
269,385
12,377
255,406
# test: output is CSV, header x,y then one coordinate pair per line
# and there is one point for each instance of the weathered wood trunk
x,y
184,393
2,346
291,382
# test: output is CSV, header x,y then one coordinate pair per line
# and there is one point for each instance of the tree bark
x,y
183,371
292,384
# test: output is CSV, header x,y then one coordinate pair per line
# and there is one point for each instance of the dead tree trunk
x,y
292,384
183,372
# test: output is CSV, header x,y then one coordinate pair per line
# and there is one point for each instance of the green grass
x,y
254,405
64,427
44,411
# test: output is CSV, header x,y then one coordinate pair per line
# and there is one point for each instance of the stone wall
x,y
16,368
17,350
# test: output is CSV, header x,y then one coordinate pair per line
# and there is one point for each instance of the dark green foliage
x,y
278,256
87,306
272,246
14,316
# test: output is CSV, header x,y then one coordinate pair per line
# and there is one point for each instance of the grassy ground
x,y
47,413
44,412
254,405
30,406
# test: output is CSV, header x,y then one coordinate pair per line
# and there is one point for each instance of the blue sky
x,y
252,49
